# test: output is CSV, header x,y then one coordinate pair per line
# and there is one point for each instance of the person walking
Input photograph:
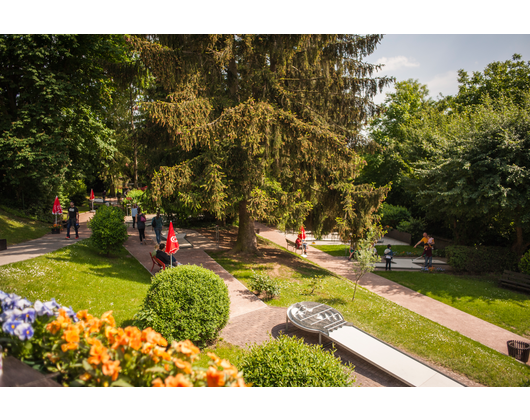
x,y
141,225
156,223
389,254
427,253
73,220
134,213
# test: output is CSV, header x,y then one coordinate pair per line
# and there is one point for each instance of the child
x,y
389,254
352,252
427,253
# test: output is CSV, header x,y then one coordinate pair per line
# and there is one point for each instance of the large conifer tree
x,y
266,124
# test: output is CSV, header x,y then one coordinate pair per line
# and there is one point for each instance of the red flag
x,y
301,235
91,194
172,244
57,209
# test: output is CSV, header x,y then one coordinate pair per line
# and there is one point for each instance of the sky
x,y
434,60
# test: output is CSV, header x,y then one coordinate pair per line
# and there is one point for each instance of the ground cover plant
x,y
77,274
479,296
382,318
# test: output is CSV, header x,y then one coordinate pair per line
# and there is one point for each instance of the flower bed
x,y
90,351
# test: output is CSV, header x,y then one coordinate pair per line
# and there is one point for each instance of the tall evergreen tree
x,y
266,124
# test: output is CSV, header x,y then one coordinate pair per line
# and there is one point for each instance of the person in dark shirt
x,y
73,220
427,253
162,256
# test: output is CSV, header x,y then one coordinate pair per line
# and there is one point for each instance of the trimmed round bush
x,y
108,230
186,302
288,361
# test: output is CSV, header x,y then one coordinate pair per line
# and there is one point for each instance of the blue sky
x,y
435,59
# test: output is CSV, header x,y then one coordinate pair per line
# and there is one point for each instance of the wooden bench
x,y
293,245
515,280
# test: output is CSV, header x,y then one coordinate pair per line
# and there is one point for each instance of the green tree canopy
x,y
264,124
54,90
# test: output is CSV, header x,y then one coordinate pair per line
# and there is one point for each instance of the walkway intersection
x,y
253,322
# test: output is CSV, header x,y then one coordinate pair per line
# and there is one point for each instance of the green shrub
x,y
480,259
261,282
75,191
287,361
392,216
108,230
415,227
186,302
524,263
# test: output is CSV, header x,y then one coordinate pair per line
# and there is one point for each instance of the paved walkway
x,y
251,320
467,325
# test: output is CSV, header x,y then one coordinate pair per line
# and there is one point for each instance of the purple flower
x,y
8,303
43,308
24,331
3,295
29,315
10,326
70,312
22,303
7,316
52,304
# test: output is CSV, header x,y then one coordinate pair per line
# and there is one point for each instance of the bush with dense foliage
x,y
524,263
287,361
415,227
391,216
480,259
261,282
90,351
108,230
186,302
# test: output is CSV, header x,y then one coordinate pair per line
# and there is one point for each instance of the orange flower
x,y
240,382
160,352
93,325
214,357
228,368
98,353
147,347
111,368
177,381
183,365
54,327
187,348
157,383
85,376
84,315
68,346
151,336
135,337
108,318
120,339
71,335
215,377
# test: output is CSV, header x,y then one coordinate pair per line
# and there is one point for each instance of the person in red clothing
x,y
427,253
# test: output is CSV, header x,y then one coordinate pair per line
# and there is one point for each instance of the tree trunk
x,y
246,237
519,247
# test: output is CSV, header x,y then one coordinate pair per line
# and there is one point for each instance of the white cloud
x,y
446,83
395,63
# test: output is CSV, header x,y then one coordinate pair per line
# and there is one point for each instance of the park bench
x,y
292,244
156,261
515,280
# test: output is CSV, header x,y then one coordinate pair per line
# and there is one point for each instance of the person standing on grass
x,y
141,225
134,213
73,220
389,254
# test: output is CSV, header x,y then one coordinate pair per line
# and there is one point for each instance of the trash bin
x,y
519,349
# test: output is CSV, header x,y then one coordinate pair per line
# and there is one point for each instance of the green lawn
x,y
18,229
476,295
399,250
78,276
384,319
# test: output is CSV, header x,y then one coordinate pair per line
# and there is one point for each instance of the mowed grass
x,y
382,318
476,295
78,276
399,250
18,229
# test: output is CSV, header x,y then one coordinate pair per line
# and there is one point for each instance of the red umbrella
x,y
57,209
92,198
301,235
172,244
